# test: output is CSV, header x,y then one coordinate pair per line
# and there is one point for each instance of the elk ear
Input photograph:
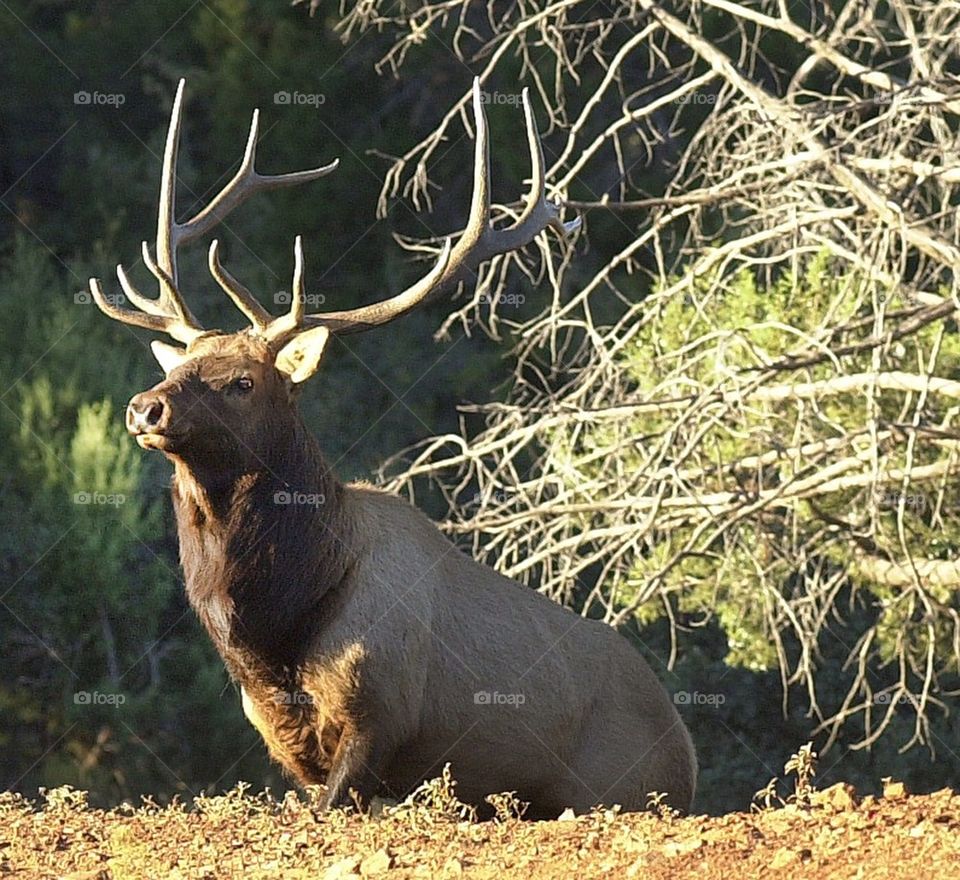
x,y
169,356
298,359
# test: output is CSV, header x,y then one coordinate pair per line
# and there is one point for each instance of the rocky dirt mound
x,y
830,834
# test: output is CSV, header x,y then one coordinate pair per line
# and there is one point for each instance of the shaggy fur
x,y
370,651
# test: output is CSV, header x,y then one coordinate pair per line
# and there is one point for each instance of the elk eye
x,y
244,384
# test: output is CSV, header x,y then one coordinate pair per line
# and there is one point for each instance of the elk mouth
x,y
154,440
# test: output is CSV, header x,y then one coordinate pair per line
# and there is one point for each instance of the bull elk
x,y
368,649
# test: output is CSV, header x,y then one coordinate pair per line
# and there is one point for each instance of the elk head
x,y
228,397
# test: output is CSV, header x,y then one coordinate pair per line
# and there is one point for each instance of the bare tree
x,y
740,403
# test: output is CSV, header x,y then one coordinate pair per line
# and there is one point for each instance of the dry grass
x,y
811,833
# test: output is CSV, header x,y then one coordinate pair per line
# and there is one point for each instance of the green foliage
x,y
749,326
104,669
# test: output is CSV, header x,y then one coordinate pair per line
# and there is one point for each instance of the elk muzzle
x,y
148,415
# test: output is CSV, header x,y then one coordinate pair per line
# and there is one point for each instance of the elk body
x,y
368,649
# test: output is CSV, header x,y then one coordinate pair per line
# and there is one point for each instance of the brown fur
x,y
360,636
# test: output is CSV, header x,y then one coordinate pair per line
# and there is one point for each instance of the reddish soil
x,y
836,835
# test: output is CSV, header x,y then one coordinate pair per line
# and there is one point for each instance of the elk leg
x,y
356,770
290,744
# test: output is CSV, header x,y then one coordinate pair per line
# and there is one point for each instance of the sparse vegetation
x,y
238,834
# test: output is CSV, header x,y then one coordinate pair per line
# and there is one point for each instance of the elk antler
x,y
479,242
168,312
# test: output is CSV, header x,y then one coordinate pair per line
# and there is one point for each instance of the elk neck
x,y
264,549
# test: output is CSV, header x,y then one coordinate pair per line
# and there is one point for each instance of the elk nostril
x,y
145,414
154,414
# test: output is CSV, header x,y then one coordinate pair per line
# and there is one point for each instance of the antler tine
x,y
536,201
170,302
298,294
144,303
169,312
479,242
352,320
154,314
281,329
264,324
478,221
245,183
128,316
244,300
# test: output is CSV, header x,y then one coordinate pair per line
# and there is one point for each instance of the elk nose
x,y
146,413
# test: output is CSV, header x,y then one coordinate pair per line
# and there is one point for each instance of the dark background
x,y
91,597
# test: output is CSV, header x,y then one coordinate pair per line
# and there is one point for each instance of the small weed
x,y
65,799
434,801
803,765
236,803
657,804
507,806
764,799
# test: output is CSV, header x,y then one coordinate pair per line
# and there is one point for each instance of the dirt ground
x,y
831,834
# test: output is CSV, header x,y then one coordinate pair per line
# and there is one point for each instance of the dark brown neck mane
x,y
261,549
